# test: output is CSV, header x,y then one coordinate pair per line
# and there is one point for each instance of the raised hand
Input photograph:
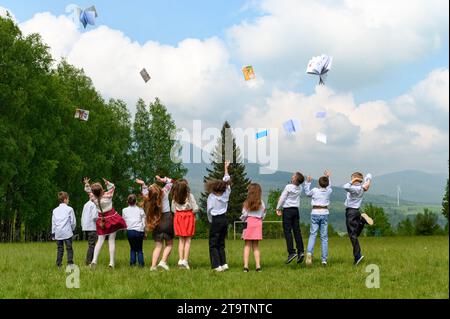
x,y
86,180
327,173
105,181
159,179
309,178
227,164
140,181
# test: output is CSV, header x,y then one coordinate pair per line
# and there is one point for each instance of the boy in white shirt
x,y
63,225
288,207
320,201
134,217
356,221
88,219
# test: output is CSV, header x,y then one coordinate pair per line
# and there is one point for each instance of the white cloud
x,y
197,80
370,134
367,38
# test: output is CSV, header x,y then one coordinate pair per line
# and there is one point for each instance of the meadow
x,y
410,267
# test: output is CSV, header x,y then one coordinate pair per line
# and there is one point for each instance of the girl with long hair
x,y
159,219
253,212
108,222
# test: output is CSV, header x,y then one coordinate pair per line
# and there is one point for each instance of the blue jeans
x,y
136,238
319,223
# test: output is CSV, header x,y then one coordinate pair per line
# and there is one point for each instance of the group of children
x,y
154,214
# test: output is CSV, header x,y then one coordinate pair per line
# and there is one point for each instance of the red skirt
x,y
112,222
184,223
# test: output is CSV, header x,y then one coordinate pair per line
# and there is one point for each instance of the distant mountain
x,y
416,186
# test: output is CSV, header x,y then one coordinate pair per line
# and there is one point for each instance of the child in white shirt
x,y
320,201
63,226
134,217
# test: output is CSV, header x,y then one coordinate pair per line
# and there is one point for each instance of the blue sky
x,y
386,94
171,21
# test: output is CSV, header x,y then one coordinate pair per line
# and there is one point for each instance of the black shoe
x,y
290,258
246,270
258,269
300,258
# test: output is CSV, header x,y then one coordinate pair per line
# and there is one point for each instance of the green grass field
x,y
415,267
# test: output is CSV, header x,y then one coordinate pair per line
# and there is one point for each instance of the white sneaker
x,y
308,259
218,269
180,262
186,264
225,267
163,265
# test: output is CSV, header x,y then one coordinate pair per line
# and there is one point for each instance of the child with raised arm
x,y
63,226
108,222
159,219
134,217
217,205
288,207
184,207
355,221
320,202
253,212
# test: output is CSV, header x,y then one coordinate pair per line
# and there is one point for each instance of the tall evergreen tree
x,y
153,132
227,150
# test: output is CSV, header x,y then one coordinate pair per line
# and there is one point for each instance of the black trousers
x,y
92,240
291,224
217,235
60,251
355,225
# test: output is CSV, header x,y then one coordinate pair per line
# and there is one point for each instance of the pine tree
x,y
227,150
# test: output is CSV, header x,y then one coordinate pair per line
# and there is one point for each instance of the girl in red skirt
x,y
253,213
184,206
108,222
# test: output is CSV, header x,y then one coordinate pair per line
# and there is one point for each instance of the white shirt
x,y
319,197
134,216
166,191
261,213
89,216
290,197
106,200
355,195
63,222
190,204
218,204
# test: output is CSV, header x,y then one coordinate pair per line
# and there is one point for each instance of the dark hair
x,y
298,178
132,199
62,196
253,201
324,181
216,186
180,191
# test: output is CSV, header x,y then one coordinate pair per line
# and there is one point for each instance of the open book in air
x,y
82,114
320,65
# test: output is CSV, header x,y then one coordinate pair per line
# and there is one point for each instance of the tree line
x,y
44,149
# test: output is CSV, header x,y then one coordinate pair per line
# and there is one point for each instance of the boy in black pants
x,y
356,221
288,207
